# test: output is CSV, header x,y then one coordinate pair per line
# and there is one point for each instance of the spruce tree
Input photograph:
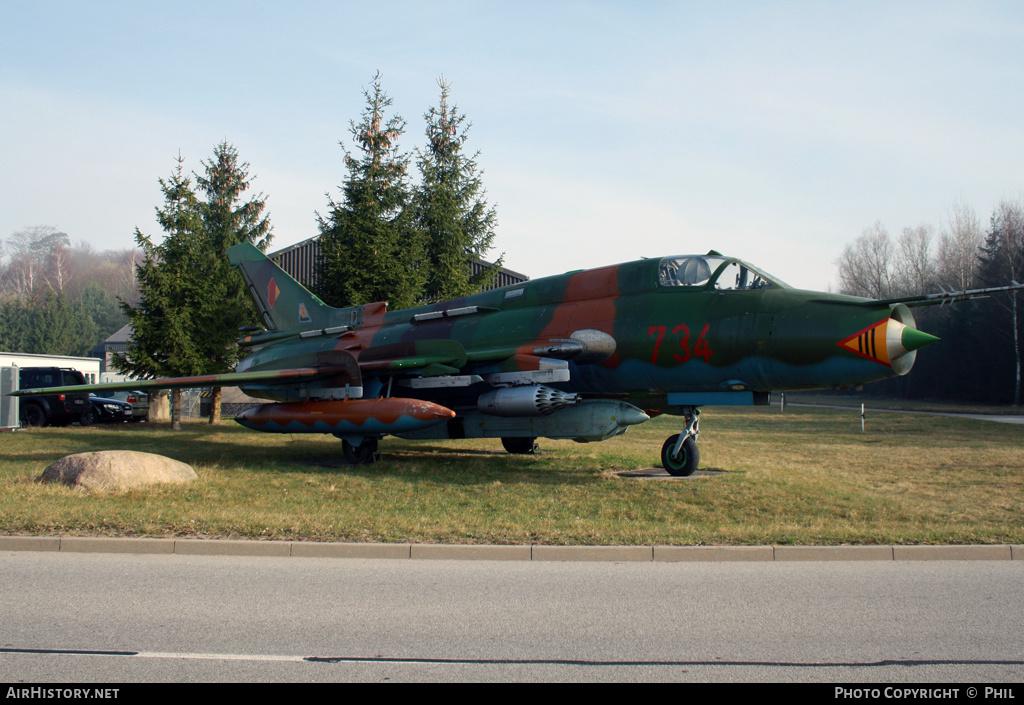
x,y
58,326
369,247
166,335
227,221
451,211
102,309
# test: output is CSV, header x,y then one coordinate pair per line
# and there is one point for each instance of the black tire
x,y
688,460
32,416
86,419
519,445
363,454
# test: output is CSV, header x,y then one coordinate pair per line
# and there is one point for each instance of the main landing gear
x,y
519,446
362,454
680,456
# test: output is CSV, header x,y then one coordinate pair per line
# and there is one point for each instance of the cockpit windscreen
x,y
699,270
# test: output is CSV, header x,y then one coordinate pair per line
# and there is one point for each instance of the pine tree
x,y
58,326
13,323
227,221
370,249
166,335
101,308
451,212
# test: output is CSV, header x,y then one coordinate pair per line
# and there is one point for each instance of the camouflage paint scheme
x,y
583,355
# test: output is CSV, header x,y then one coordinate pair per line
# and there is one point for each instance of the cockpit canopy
x,y
724,273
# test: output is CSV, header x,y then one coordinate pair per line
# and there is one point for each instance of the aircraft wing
x,y
428,357
939,298
945,297
228,379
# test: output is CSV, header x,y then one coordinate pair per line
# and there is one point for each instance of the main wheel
x,y
686,462
362,454
519,446
32,416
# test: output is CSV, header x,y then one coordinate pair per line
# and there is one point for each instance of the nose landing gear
x,y
679,455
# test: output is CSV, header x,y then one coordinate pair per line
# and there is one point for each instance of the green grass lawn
x,y
808,476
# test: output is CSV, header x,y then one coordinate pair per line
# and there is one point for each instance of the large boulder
x,y
117,469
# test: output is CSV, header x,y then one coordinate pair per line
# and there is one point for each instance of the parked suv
x,y
55,409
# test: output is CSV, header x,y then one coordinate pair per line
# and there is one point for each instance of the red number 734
x,y
700,349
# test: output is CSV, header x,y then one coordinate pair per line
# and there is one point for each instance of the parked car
x,y
110,410
139,402
56,409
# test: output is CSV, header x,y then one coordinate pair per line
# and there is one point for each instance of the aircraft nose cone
x,y
903,339
912,339
889,342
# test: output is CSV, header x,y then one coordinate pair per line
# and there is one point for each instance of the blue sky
x,y
608,131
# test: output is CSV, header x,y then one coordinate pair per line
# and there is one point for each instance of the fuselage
x,y
679,331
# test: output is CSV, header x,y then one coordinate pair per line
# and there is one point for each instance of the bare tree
x,y
58,266
915,267
127,283
866,268
38,257
959,241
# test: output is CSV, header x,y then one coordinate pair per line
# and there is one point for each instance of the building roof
x,y
299,260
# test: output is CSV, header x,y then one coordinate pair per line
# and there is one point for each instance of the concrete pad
x,y
29,543
471,552
833,553
314,549
952,553
87,544
713,553
1017,553
662,474
593,553
218,547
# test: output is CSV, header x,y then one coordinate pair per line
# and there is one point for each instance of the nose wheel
x,y
679,455
683,463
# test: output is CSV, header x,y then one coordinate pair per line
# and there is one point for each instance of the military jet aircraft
x,y
581,356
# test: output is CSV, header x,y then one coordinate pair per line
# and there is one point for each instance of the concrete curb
x,y
461,552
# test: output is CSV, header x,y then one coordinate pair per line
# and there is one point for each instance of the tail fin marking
x,y
282,302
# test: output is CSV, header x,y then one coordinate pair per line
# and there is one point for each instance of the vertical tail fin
x,y
281,301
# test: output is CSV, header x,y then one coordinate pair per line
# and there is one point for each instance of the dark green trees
x,y
1001,262
165,337
370,250
227,221
457,224
48,323
386,241
191,305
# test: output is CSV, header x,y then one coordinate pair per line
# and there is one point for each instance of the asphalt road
x,y
113,618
